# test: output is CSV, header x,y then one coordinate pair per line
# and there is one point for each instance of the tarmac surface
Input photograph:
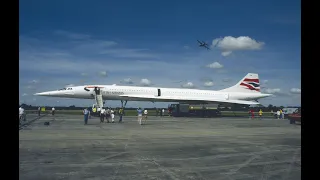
x,y
163,148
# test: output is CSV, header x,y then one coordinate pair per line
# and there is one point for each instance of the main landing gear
x,y
125,103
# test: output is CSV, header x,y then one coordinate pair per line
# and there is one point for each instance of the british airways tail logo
x,y
252,84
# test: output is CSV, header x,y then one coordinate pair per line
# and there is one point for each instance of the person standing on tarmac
x,y
86,114
108,115
278,114
21,114
102,115
112,115
120,114
52,111
145,113
39,110
139,111
260,114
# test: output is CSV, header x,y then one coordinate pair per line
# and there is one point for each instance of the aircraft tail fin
x,y
250,84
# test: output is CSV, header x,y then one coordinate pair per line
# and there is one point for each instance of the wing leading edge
x,y
188,99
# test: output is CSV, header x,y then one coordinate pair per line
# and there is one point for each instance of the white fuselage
x,y
112,92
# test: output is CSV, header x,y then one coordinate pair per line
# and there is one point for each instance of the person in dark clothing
x,y
86,115
39,110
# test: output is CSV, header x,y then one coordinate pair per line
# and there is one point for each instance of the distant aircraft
x,y
246,91
203,44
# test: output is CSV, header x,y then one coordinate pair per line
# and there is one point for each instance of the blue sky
x,y
154,44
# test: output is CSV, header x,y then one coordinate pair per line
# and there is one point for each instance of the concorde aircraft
x,y
246,92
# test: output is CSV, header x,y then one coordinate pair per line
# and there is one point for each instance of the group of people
x,y
106,113
251,114
280,114
145,115
103,113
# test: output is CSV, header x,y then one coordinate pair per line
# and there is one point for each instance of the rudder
x,y
250,83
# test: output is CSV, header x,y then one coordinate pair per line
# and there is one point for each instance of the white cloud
x,y
295,91
103,73
34,81
30,87
145,82
127,81
272,91
186,47
188,85
229,44
215,65
70,85
129,53
84,74
226,53
71,35
24,94
226,79
208,84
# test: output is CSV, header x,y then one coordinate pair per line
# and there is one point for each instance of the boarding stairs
x,y
99,100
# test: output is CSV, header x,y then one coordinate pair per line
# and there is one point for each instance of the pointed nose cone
x,y
42,94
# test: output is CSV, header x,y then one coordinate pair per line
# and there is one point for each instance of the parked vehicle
x,y
295,116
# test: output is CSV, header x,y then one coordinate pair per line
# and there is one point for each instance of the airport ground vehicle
x,y
194,110
288,111
295,116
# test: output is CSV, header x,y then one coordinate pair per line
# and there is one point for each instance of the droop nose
x,y
43,94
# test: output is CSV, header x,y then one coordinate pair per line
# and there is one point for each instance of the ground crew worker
x,y
52,111
281,114
260,114
139,111
145,113
120,114
39,110
102,115
94,110
112,115
86,114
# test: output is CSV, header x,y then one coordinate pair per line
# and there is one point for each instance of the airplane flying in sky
x,y
246,91
203,44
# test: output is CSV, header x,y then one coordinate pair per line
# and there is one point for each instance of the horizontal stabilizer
x,y
177,98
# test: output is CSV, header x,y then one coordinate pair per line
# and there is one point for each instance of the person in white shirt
x,y
98,111
21,114
145,114
162,112
102,115
52,111
112,115
39,110
278,114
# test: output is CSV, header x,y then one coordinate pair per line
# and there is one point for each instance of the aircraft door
x,y
97,91
226,96
159,92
